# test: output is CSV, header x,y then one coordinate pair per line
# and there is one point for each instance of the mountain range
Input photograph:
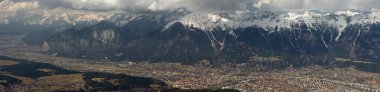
x,y
299,37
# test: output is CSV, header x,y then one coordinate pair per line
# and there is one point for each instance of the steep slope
x,y
99,40
106,40
304,38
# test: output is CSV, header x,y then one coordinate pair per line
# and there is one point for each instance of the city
x,y
189,46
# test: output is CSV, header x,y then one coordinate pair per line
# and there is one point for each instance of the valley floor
x,y
240,76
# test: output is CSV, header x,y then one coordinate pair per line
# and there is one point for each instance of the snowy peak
x,y
306,16
216,18
346,13
224,35
268,21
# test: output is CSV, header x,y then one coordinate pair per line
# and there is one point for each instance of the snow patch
x,y
216,18
347,13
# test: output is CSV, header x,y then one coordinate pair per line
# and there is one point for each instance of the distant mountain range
x,y
233,37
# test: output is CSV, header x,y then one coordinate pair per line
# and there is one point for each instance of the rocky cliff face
x,y
101,40
238,37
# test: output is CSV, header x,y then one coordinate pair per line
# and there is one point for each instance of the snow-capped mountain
x,y
269,21
238,36
48,20
225,20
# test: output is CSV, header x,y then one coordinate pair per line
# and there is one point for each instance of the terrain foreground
x,y
198,76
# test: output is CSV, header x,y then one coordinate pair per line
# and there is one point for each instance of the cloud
x,y
260,3
158,5
40,12
326,5
142,5
13,6
217,5
193,5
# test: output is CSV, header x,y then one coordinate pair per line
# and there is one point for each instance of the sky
x,y
41,12
27,10
193,5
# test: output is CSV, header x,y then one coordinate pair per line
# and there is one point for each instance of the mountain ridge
x,y
234,37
